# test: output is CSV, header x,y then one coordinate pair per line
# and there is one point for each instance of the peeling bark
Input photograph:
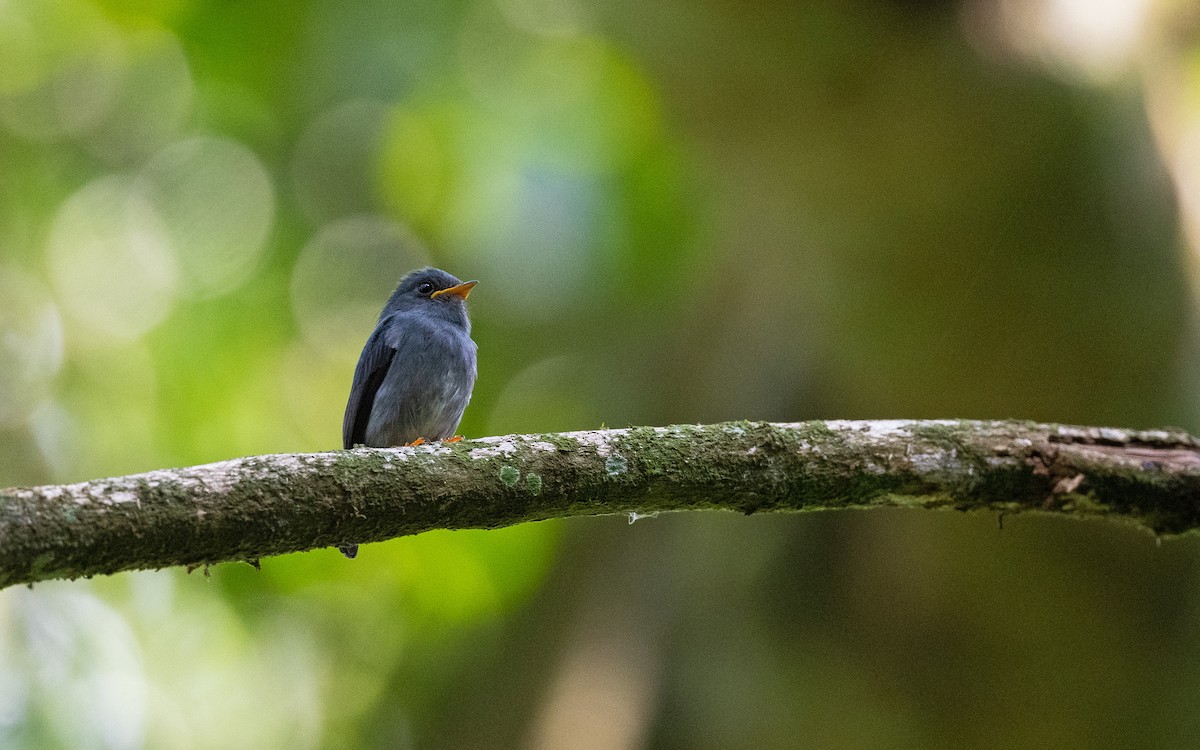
x,y
253,507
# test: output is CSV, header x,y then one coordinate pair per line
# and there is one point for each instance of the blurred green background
x,y
679,212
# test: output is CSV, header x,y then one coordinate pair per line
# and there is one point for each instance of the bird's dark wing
x,y
373,364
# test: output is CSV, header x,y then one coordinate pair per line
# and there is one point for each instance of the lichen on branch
x,y
248,508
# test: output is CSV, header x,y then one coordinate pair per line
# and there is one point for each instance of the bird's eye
x,y
425,287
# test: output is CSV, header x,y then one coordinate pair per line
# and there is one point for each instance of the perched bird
x,y
416,372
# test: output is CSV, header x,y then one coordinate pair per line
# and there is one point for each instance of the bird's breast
x,y
425,391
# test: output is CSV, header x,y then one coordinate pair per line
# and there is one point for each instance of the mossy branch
x,y
249,508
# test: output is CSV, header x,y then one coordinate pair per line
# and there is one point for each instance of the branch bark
x,y
253,507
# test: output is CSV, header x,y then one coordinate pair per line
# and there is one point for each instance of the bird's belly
x,y
430,410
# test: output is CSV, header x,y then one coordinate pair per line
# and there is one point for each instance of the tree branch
x,y
249,508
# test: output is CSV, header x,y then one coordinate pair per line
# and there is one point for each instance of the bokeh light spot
x,y
110,260
88,661
1091,41
31,345
549,395
217,204
343,277
547,17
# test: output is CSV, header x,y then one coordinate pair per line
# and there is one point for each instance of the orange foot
x,y
418,441
455,439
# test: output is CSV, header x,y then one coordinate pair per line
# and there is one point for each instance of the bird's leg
x,y
413,444
455,439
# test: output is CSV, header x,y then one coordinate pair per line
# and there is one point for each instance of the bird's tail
x,y
349,550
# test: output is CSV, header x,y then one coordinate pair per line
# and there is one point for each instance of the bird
x,y
416,372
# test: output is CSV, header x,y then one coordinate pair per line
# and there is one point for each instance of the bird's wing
x,y
373,364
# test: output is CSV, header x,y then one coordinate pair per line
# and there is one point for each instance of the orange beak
x,y
463,290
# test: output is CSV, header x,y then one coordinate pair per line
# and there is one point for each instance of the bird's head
x,y
433,292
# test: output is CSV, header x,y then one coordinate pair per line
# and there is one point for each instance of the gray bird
x,y
416,372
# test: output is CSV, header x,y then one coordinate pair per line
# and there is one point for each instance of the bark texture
x,y
253,507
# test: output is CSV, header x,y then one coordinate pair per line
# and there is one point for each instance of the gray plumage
x,y
416,372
